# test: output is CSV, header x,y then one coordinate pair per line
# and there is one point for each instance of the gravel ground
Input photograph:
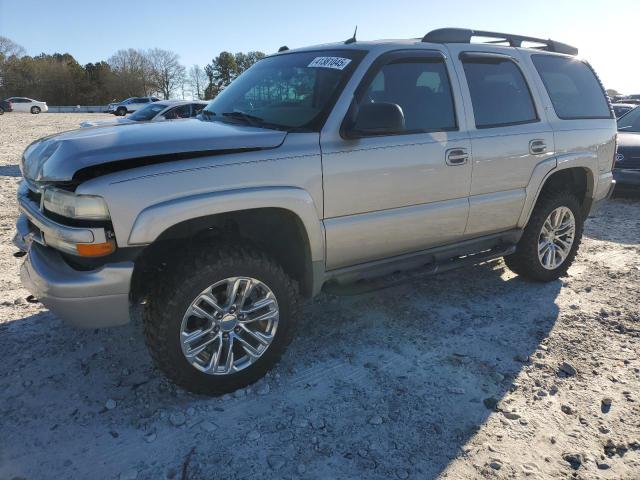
x,y
469,374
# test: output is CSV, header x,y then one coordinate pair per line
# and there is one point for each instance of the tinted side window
x,y
197,108
499,93
421,88
630,122
142,100
573,87
183,111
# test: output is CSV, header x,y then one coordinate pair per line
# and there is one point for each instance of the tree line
x,y
59,79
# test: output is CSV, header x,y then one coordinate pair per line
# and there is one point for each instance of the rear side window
x,y
573,87
499,93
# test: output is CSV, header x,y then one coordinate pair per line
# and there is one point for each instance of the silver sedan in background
x,y
155,112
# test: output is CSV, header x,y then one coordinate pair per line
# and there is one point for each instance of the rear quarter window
x,y
574,89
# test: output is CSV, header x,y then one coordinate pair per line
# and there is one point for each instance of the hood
x,y
58,157
102,123
628,139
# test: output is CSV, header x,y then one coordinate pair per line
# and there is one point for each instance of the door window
x,y
420,87
196,108
499,93
183,111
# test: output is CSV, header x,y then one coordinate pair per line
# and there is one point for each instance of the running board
x,y
344,287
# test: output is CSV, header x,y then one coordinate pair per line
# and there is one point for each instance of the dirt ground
x,y
454,376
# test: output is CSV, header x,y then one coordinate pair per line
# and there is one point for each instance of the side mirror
x,y
373,119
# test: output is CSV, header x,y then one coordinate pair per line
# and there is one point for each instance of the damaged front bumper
x,y
82,298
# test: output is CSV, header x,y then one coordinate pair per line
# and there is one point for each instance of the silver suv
x,y
315,169
130,105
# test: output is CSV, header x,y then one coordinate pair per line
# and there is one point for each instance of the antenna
x,y
352,39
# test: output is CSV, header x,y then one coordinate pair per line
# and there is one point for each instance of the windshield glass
x,y
292,91
630,122
148,112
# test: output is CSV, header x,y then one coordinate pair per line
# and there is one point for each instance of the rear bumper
x,y
627,177
85,299
604,188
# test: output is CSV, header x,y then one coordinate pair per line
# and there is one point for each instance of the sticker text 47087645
x,y
337,63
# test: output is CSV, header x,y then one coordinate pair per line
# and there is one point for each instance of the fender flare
x,y
586,160
156,219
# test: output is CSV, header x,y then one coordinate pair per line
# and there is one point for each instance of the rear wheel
x,y
222,319
550,240
1,111
35,110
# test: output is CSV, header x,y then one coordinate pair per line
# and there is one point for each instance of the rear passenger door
x,y
509,135
388,195
140,103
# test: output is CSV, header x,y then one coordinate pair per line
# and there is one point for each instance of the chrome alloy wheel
x,y
556,238
229,325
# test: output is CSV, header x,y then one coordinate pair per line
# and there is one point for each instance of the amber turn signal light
x,y
95,249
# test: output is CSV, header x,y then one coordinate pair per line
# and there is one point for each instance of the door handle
x,y
457,156
536,147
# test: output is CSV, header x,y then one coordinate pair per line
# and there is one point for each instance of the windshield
x,y
148,112
292,91
630,121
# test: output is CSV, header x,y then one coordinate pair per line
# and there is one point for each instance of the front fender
x,y
155,219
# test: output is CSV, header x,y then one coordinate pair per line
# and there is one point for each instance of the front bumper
x,y
83,298
627,177
86,299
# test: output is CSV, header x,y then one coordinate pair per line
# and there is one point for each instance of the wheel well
x,y
575,180
278,232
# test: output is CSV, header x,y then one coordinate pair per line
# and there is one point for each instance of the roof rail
x,y
464,35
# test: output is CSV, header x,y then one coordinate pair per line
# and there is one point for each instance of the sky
x,y
199,30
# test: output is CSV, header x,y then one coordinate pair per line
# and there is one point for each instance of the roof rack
x,y
464,35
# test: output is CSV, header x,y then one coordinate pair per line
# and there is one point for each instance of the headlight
x,y
68,204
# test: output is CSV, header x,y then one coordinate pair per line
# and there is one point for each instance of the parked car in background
x,y
5,106
24,104
155,112
621,109
627,165
130,105
634,99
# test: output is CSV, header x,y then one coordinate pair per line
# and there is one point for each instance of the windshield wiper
x,y
247,117
207,113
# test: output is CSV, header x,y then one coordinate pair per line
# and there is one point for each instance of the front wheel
x,y
121,111
550,240
222,319
35,110
1,111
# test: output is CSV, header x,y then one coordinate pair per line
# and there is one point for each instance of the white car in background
x,y
155,112
130,105
24,104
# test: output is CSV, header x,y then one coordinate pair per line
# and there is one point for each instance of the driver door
x,y
389,195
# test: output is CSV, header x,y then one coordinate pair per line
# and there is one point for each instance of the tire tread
x,y
165,297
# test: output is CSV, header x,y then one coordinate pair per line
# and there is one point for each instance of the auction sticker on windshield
x,y
330,62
